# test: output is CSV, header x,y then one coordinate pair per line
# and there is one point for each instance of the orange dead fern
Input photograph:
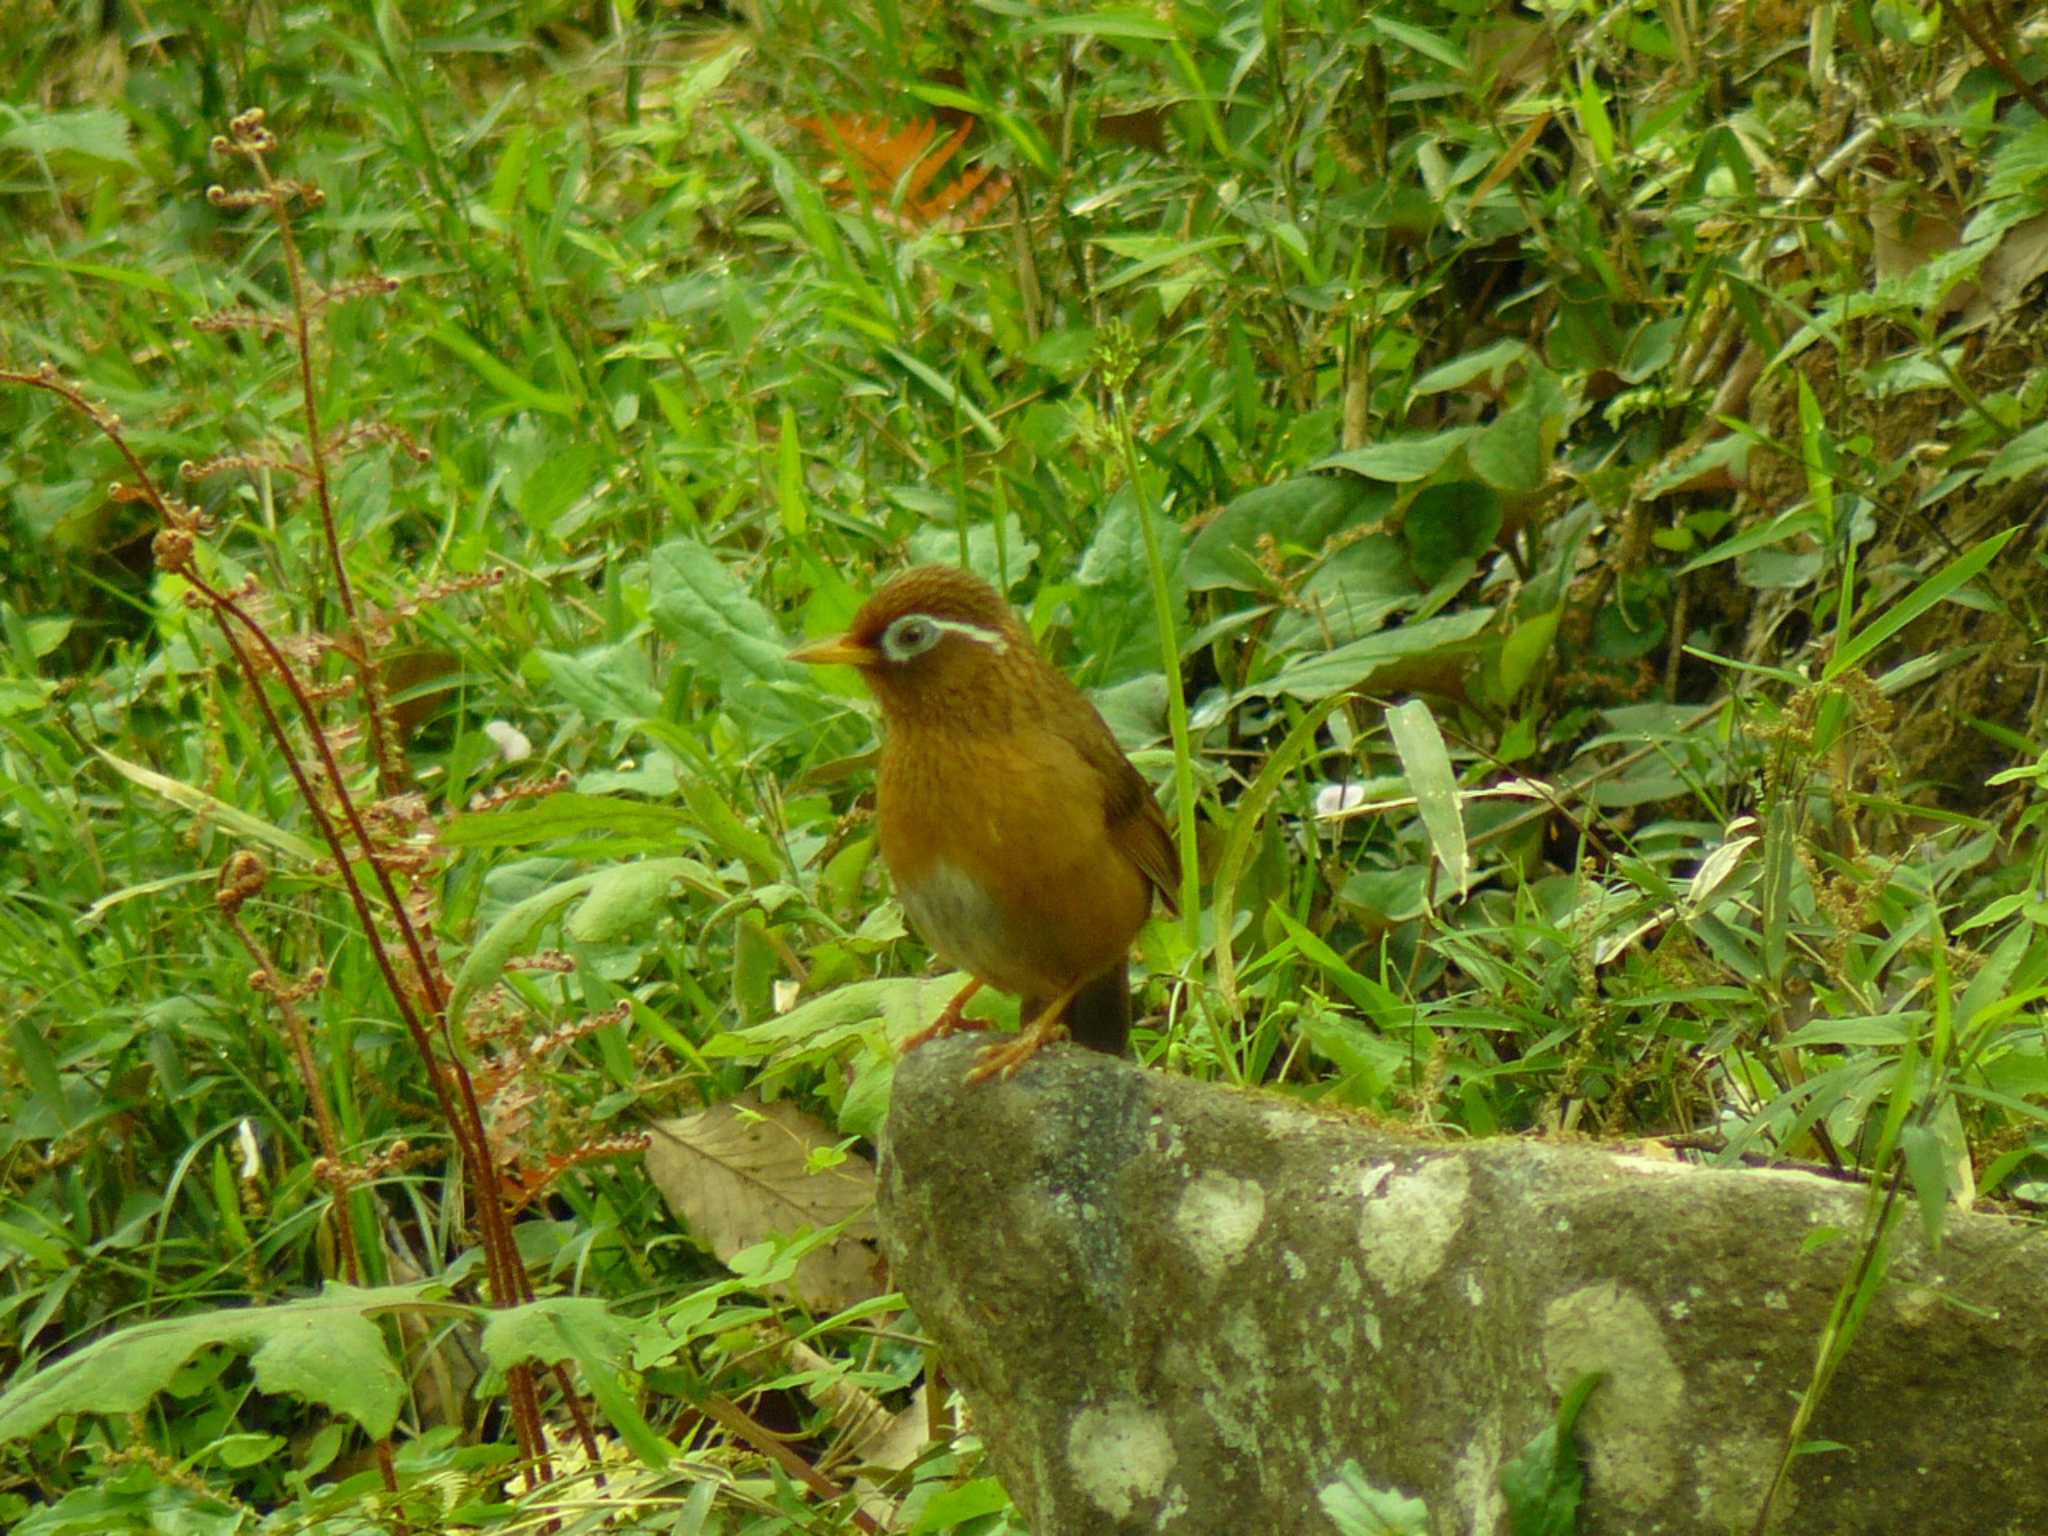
x,y
900,170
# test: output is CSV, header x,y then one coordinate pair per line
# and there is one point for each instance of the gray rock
x,y
1177,1307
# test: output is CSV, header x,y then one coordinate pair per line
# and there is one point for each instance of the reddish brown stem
x,y
735,1420
389,778
1981,36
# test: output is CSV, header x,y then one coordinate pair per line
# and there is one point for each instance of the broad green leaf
x,y
46,1253
1927,1167
1816,454
1154,253
791,499
1885,1030
721,629
569,475
1723,158
1300,516
2020,456
1002,561
732,834
951,1508
55,512
1357,587
509,936
599,1342
553,817
24,696
1995,978
1787,525
1512,452
611,683
1630,624
624,899
1356,1050
1402,460
45,635
1594,120
1246,817
1358,1508
1493,362
1525,646
1544,1481
1448,524
515,928
903,1005
242,1451
509,178
1420,746
325,1349
530,1331
1725,459
1352,666
584,1329
1118,629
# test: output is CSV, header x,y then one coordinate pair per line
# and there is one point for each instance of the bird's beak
x,y
839,651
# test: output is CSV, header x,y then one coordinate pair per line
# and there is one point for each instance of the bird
x,y
1026,849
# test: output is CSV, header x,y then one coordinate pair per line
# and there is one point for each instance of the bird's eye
x,y
908,637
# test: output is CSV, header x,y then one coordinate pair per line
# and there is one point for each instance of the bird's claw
x,y
951,1021
1003,1060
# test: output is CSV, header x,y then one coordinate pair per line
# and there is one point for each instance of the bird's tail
x,y
1100,1015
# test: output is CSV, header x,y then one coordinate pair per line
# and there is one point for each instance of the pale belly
x,y
1037,948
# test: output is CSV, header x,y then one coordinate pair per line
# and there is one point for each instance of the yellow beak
x,y
839,651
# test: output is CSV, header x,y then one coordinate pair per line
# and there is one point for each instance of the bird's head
x,y
935,642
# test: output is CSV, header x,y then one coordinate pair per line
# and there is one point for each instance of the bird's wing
x,y
1137,827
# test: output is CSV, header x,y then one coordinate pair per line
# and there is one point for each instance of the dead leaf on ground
x,y
739,1173
2008,273
867,1433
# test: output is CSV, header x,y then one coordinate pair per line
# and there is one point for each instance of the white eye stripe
x,y
915,633
987,637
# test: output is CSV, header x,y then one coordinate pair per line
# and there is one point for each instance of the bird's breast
x,y
1003,860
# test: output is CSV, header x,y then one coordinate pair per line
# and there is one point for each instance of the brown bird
x,y
1025,847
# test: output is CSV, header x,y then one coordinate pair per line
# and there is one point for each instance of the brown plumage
x,y
1025,847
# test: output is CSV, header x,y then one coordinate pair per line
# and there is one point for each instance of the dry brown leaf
x,y
868,1439
2007,274
1909,227
1512,55
738,1173
867,1433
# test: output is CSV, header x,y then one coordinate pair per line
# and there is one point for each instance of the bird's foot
x,y
951,1020
1002,1060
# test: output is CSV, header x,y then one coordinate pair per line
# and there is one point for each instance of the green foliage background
x,y
1654,392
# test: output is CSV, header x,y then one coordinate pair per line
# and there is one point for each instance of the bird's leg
x,y
951,1020
1050,1025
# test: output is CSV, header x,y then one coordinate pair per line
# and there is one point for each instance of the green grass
x,y
1317,360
